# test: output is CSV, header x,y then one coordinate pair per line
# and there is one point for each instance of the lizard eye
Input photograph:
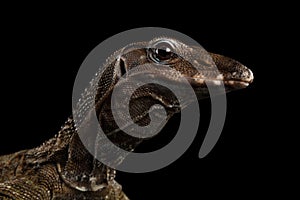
x,y
161,53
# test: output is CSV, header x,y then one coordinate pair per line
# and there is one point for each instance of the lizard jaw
x,y
234,84
230,80
228,84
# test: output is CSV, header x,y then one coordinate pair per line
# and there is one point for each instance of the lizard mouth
x,y
197,82
229,80
236,83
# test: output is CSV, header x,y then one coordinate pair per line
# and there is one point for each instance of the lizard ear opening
x,y
122,67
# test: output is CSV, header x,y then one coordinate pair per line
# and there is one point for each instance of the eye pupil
x,y
163,54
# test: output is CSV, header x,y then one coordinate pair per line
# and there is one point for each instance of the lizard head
x,y
192,62
167,60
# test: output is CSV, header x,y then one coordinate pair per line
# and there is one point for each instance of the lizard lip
x,y
232,83
237,83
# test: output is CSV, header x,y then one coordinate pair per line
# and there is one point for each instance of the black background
x,y
42,51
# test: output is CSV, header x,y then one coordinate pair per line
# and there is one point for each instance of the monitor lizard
x,y
62,168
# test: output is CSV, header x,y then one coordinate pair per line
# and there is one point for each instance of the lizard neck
x,y
81,170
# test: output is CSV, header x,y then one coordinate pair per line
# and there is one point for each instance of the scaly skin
x,y
62,168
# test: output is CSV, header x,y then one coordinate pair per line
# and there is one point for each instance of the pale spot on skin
x,y
195,62
220,77
217,82
199,80
199,76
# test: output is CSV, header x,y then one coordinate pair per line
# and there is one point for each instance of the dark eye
x,y
161,53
